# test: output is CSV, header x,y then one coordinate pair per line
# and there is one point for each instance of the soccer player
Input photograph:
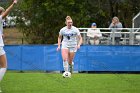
x,y
3,60
71,42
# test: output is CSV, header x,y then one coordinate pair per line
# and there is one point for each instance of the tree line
x,y
41,20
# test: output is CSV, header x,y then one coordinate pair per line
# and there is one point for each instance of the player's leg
x,y
3,64
65,58
71,57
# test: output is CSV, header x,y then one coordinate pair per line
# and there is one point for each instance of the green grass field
x,y
79,83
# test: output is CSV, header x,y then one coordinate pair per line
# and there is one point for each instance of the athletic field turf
x,y
79,83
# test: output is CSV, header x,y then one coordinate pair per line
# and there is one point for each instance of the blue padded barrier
x,y
88,58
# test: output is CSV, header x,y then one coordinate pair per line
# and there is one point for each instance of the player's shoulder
x,y
75,28
64,28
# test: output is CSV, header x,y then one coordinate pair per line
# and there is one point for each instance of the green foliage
x,y
47,17
41,20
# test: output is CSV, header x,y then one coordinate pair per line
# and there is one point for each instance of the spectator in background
x,y
94,34
117,36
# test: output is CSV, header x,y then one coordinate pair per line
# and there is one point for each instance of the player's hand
x,y
15,1
78,46
58,48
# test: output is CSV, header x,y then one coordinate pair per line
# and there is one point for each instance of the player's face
x,y
69,23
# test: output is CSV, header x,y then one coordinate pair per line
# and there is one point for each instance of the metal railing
x,y
129,36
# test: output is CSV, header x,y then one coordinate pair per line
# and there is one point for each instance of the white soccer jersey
x,y
69,36
1,31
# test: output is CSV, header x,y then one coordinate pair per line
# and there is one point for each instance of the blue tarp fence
x,y
88,58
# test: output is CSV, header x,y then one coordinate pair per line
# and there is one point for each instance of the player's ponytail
x,y
68,18
1,10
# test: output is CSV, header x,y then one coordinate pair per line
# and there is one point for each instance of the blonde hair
x,y
1,9
68,18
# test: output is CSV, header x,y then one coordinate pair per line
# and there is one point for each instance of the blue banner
x,y
88,58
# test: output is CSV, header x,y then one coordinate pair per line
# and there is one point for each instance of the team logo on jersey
x,y
69,35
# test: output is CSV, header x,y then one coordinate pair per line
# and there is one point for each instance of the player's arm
x,y
8,9
80,41
59,42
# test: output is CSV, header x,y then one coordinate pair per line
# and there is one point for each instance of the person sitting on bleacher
x,y
94,34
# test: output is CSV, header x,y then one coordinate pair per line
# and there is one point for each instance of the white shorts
x,y
70,49
2,52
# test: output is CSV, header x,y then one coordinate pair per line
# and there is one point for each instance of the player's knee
x,y
3,65
71,59
65,60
